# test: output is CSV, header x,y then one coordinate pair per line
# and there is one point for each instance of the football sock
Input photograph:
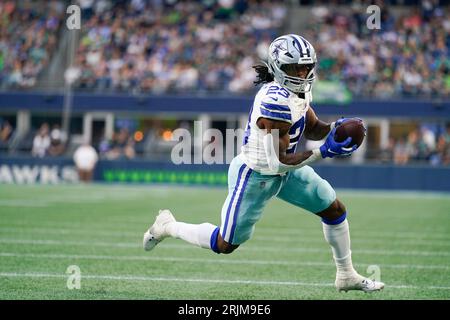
x,y
196,234
338,237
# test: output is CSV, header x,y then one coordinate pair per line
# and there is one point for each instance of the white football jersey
x,y
273,102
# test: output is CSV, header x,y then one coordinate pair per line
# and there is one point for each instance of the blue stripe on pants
x,y
232,199
236,212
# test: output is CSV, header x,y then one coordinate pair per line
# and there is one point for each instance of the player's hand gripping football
x,y
332,148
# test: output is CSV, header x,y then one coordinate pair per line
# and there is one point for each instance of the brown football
x,y
351,128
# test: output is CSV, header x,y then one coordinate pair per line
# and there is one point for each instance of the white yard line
x,y
70,199
393,234
213,261
279,238
272,231
252,247
181,280
150,189
24,203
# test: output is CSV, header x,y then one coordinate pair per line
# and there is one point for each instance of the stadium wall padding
x,y
217,104
61,170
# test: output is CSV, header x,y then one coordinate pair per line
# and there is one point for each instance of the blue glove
x,y
332,148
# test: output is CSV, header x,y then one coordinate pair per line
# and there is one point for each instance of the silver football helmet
x,y
288,55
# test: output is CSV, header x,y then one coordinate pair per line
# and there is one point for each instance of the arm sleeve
x,y
276,165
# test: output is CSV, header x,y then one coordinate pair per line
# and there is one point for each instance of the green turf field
x,y
99,228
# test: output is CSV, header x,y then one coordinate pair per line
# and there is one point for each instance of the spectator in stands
x,y
57,142
401,152
85,158
41,141
122,146
417,146
5,132
412,145
387,154
104,146
442,154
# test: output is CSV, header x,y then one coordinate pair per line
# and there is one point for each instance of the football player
x,y
269,166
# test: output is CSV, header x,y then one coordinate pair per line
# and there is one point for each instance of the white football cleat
x,y
357,282
157,231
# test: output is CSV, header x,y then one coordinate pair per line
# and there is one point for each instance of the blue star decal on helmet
x,y
278,46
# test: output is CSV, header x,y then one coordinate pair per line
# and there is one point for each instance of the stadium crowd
x,y
211,45
421,145
408,56
152,47
28,37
